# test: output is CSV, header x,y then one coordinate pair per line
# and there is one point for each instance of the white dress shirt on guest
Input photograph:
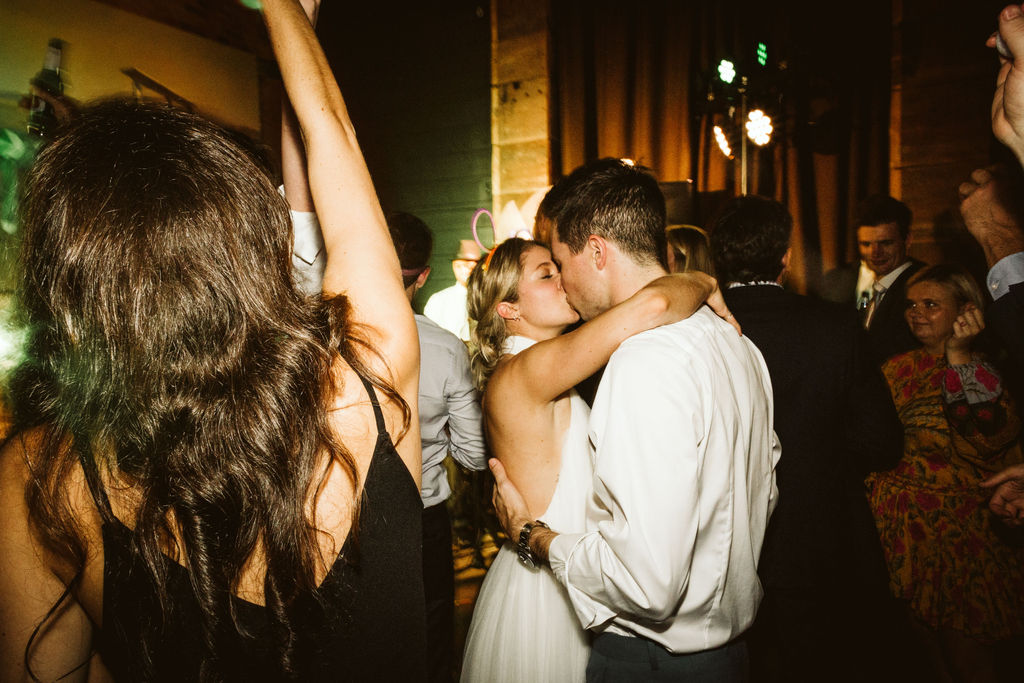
x,y
447,308
684,483
886,281
450,419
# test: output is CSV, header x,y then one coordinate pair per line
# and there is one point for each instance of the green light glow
x,y
762,54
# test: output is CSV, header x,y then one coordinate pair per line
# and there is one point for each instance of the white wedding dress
x,y
524,629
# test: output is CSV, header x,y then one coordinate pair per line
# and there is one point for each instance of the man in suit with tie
x,y
824,575
883,236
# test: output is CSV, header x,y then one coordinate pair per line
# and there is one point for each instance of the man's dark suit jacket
x,y
836,422
824,574
889,333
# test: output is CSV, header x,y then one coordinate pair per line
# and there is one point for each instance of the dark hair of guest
x,y
880,209
414,243
749,238
617,201
168,344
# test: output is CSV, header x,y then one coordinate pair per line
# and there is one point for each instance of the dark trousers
x,y
622,659
439,587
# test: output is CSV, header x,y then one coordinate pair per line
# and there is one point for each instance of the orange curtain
x,y
633,78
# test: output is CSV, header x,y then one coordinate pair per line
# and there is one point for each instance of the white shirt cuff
x,y
309,241
1009,270
589,612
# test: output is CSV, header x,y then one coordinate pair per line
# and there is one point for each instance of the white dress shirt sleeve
x,y
308,256
646,427
465,430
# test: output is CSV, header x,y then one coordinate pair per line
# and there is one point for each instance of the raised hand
x,y
1008,498
966,327
1008,103
991,212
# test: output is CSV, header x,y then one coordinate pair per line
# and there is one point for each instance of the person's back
x,y
822,567
699,385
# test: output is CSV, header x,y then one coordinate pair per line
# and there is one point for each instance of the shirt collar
x,y
888,280
755,283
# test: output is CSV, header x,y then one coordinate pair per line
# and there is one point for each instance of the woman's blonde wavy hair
x,y
493,281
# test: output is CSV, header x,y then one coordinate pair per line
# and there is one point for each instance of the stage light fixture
x,y
726,71
759,127
723,141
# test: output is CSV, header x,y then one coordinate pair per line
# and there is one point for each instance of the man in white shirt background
x,y
681,429
447,307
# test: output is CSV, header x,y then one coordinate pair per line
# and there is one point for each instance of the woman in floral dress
x,y
948,557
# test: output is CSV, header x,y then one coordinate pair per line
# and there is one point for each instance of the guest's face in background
x,y
931,311
882,247
462,268
542,301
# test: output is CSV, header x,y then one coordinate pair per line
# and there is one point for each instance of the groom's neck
x,y
631,277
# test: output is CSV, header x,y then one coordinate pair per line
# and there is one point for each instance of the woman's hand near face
x,y
966,327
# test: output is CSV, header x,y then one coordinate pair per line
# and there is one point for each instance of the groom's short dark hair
x,y
615,200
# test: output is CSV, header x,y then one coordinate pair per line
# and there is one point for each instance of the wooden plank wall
x,y
943,78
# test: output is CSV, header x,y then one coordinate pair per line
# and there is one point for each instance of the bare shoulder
x,y
33,581
18,459
353,417
15,470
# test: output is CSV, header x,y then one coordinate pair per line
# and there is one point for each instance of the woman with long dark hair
x,y
212,476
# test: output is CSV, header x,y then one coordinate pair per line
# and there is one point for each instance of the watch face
x,y
527,559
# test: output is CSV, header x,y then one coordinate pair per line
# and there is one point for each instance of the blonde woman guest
x,y
688,249
961,581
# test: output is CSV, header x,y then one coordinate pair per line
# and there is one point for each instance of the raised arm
x,y
548,369
361,260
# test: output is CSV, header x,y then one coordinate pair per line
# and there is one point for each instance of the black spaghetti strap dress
x,y
366,621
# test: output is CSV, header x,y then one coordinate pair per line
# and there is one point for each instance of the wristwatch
x,y
526,555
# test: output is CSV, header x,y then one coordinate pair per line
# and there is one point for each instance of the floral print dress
x,y
948,556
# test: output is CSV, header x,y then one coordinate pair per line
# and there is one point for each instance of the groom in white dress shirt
x,y
684,458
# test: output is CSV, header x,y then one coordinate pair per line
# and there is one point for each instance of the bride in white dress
x,y
523,627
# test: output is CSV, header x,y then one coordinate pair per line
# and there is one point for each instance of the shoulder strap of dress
x,y
377,412
99,496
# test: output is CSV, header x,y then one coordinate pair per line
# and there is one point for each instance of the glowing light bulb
x,y
762,54
759,127
726,71
723,142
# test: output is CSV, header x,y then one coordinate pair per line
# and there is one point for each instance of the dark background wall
x,y
417,86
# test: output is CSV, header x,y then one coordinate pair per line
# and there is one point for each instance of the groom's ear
x,y
598,251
